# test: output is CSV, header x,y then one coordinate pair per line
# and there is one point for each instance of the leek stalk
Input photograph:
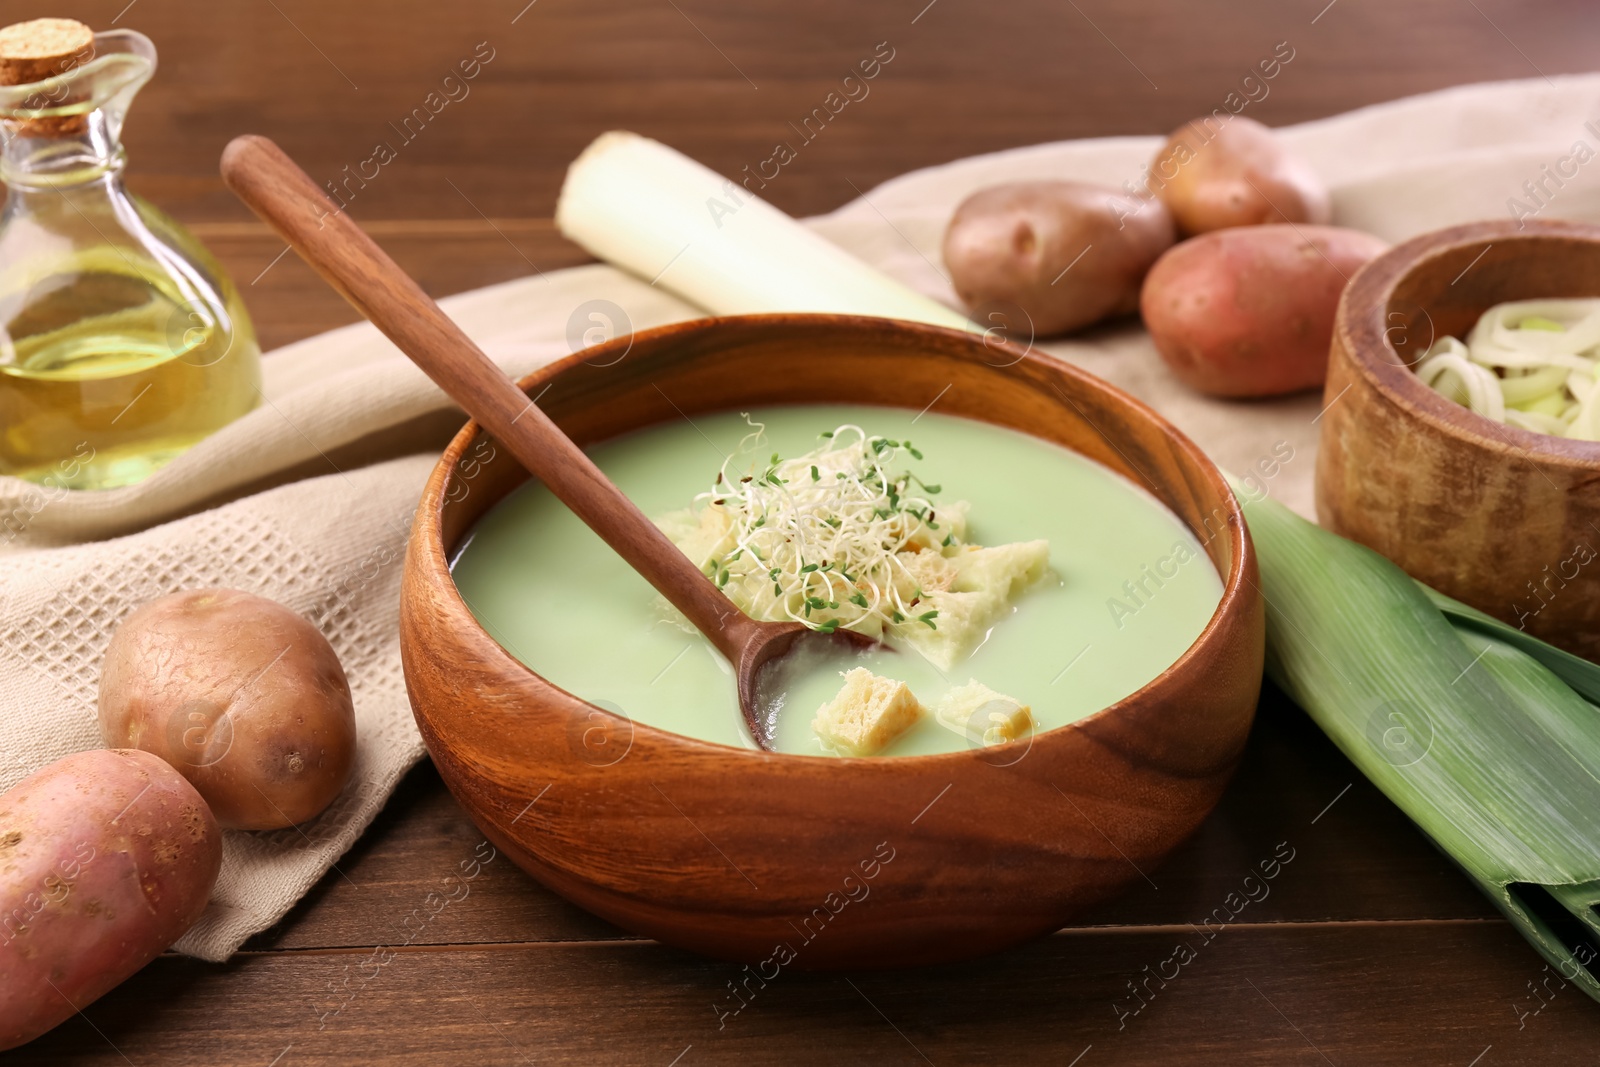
x,y
1461,721
653,211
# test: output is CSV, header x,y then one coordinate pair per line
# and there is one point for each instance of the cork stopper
x,y
39,49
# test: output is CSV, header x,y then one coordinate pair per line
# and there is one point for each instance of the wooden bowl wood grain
x,y
785,860
1504,519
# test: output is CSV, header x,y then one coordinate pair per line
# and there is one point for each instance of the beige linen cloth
x,y
254,506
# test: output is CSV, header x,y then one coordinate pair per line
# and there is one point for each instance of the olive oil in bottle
x,y
122,342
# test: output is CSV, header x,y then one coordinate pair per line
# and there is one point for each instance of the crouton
x,y
869,712
985,716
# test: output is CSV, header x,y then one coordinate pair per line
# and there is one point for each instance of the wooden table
x,y
1369,948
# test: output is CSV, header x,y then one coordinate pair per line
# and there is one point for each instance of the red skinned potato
x,y
244,697
1214,174
106,858
1249,312
1066,253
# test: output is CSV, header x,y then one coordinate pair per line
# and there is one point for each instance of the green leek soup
x,y
1128,591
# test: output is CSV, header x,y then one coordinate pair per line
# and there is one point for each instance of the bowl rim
x,y
1362,324
1237,587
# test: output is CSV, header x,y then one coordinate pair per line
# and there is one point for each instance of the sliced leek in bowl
x,y
1533,364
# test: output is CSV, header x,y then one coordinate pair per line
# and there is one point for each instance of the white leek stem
x,y
653,211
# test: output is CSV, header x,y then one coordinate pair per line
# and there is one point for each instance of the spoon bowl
x,y
761,680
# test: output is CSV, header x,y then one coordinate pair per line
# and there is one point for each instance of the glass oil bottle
x,y
122,342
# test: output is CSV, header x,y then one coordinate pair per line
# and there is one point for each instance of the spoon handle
x,y
286,198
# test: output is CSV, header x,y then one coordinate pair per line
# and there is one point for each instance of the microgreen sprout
x,y
826,538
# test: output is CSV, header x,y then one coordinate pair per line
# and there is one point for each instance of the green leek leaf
x,y
1576,671
1477,739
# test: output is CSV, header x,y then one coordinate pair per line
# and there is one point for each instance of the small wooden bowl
x,y
1504,519
755,856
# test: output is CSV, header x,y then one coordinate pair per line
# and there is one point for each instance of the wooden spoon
x,y
286,198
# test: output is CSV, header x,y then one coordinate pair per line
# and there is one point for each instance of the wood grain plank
x,y
724,79
1370,993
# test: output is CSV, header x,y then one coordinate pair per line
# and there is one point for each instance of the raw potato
x,y
106,858
1249,312
244,697
1215,176
1010,244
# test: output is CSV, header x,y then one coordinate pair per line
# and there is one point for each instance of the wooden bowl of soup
x,y
779,859
1502,518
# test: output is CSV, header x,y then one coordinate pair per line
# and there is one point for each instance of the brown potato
x,y
1249,312
106,858
1066,253
244,697
1213,174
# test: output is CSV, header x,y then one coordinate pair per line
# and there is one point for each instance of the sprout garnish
x,y
818,538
